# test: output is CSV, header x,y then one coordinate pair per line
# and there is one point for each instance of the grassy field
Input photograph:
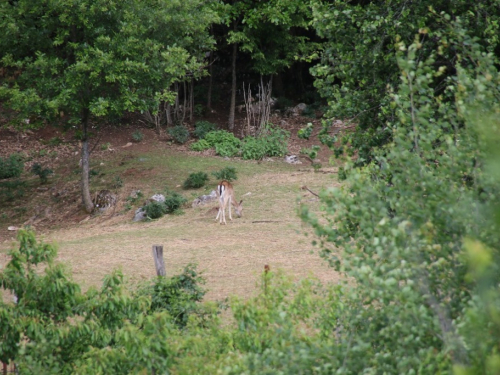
x,y
231,257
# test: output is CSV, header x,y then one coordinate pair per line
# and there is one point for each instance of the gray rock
x,y
292,159
204,199
158,198
140,215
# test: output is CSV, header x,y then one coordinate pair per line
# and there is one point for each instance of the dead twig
x,y
309,190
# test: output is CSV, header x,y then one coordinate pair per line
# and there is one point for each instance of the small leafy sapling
x,y
41,172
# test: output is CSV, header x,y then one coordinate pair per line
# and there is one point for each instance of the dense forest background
x,y
415,229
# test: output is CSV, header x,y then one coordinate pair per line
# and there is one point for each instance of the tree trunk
x,y
86,199
233,86
210,73
191,101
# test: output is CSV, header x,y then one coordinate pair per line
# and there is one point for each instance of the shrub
x,y
155,210
227,150
201,128
195,180
117,182
311,152
179,133
137,136
276,140
11,190
174,202
43,173
217,137
11,167
199,110
178,295
273,141
253,148
306,131
200,145
227,173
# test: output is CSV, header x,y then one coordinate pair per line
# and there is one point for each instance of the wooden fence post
x,y
158,257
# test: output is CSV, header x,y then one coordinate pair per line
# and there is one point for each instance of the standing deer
x,y
225,193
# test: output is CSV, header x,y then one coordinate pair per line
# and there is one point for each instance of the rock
x,y
128,144
134,194
292,159
158,198
12,228
301,107
204,199
139,215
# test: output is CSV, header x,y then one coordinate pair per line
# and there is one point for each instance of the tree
x,y
94,58
407,225
271,33
359,66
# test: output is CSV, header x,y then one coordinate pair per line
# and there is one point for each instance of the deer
x,y
225,193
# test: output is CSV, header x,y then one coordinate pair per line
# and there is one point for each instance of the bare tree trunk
x,y
232,108
86,199
191,101
210,73
185,102
168,111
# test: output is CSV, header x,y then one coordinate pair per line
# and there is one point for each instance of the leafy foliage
x,y
137,135
154,209
179,133
56,329
227,173
12,166
178,295
174,202
41,172
403,230
253,148
201,128
200,145
225,143
12,190
195,180
359,61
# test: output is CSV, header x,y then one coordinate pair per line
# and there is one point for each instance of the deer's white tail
x,y
225,192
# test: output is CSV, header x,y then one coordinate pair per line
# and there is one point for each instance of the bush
x,y
195,180
11,190
276,140
200,145
227,173
174,202
178,295
137,136
227,150
179,133
253,148
273,141
222,137
11,167
155,210
43,173
201,128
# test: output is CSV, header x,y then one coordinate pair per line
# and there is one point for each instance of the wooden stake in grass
x,y
158,257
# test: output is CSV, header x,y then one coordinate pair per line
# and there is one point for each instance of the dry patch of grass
x,y
231,257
